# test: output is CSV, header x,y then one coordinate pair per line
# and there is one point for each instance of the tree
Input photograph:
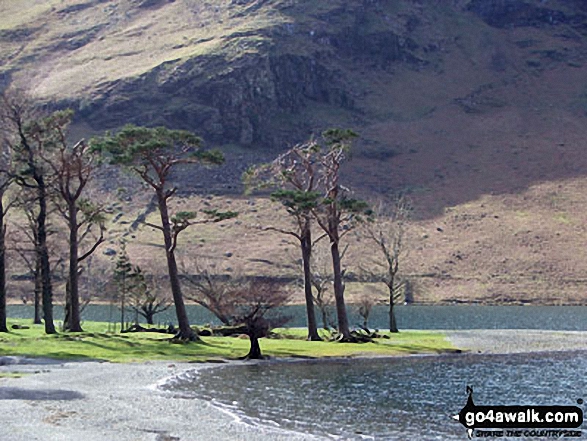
x,y
337,214
321,280
252,303
5,181
145,301
388,232
153,153
364,308
125,280
209,289
73,168
28,137
244,305
27,249
294,174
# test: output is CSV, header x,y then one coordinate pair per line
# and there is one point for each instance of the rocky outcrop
x,y
262,97
287,68
238,104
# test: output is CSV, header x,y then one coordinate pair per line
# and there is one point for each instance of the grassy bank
x,y
97,343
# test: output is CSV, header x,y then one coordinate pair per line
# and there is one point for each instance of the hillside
x,y
477,108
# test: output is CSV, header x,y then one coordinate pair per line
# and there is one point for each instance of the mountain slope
x,y
475,107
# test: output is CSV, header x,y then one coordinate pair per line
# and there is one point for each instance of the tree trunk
x,y
306,245
185,332
392,321
325,321
44,257
74,322
38,290
343,323
255,350
3,327
122,302
67,308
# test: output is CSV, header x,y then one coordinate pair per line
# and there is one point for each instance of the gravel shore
x,y
94,401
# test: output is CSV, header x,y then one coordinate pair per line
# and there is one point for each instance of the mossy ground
x,y
97,343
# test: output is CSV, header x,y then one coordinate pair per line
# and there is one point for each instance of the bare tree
x,y
295,175
27,137
145,300
321,281
5,181
153,153
364,307
26,249
253,304
208,288
245,305
73,168
388,233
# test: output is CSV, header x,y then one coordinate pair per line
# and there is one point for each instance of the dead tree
x,y
388,234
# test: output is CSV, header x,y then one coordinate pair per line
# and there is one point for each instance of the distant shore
x,y
96,401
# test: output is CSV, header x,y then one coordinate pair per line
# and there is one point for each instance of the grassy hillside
x,y
476,108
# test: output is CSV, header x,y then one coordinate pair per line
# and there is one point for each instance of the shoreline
x,y
98,401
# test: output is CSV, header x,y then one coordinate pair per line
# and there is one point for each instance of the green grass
x,y
12,375
97,343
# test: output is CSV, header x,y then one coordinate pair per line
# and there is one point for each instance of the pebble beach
x,y
98,401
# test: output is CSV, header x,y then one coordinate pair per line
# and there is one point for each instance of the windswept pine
x,y
153,153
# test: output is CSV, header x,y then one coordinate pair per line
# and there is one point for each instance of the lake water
x,y
390,399
570,318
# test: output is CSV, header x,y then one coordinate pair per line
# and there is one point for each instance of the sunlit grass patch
x,y
97,344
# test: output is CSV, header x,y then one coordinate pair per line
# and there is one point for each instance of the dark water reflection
x,y
404,398
571,318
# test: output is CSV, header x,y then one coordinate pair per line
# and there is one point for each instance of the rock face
x,y
266,73
265,97
260,86
233,107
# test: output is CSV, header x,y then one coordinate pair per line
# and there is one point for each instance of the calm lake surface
x,y
569,318
391,399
